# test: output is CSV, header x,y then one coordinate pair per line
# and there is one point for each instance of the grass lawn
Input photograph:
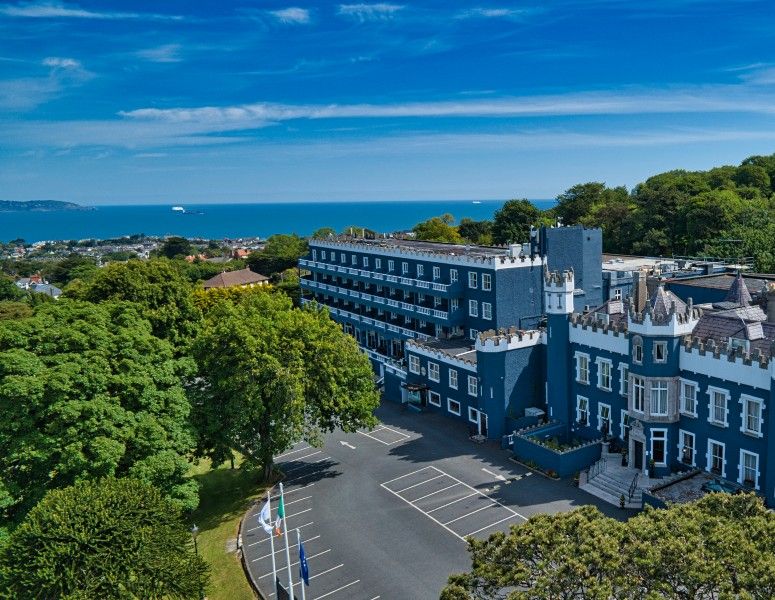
x,y
225,495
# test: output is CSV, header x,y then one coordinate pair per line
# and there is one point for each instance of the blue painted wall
x,y
582,250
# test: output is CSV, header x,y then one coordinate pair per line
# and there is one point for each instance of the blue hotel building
x,y
519,343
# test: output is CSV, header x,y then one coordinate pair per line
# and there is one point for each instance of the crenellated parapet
x,y
502,340
428,351
589,323
672,321
726,351
558,292
559,280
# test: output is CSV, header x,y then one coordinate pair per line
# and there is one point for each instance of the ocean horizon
x,y
218,221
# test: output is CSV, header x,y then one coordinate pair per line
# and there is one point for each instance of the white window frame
x,y
472,333
391,266
578,356
624,422
487,311
709,457
600,362
473,308
343,258
414,364
475,412
618,294
659,344
635,388
682,434
420,270
712,391
585,401
637,350
682,397
450,401
651,445
436,273
404,268
600,407
431,394
624,374
744,400
354,259
454,304
452,275
436,301
323,255
377,263
314,254
473,280
452,378
486,282
660,386
741,468
473,386
365,261
434,373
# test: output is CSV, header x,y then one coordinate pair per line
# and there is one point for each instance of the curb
x,y
534,470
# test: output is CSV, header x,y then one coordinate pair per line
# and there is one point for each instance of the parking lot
x,y
385,513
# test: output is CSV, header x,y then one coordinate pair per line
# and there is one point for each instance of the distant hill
x,y
39,205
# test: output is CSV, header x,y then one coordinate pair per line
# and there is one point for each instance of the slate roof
x,y
738,292
662,302
235,278
615,309
722,326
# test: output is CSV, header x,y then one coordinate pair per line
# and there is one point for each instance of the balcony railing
x,y
438,287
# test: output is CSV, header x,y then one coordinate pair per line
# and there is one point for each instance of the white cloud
x,y
369,12
491,13
56,62
292,15
167,53
29,92
56,10
764,76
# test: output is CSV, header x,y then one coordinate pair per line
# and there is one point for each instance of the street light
x,y
194,533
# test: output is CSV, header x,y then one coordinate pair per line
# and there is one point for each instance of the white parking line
x,y
453,502
402,434
402,476
297,562
303,465
326,571
266,539
422,512
436,492
418,484
299,500
471,513
289,492
292,452
490,525
287,481
338,589
374,438
301,512
281,549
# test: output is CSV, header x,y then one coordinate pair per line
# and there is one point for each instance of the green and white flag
x,y
278,524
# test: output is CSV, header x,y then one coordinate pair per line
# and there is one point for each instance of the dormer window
x,y
660,352
738,344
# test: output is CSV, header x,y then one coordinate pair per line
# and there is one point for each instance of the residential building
x,y
240,278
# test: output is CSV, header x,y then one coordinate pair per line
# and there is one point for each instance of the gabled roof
x,y
235,278
662,302
738,292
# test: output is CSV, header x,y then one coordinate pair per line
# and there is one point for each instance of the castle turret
x,y
558,304
558,292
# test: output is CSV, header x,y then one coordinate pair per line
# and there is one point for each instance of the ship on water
x,y
178,209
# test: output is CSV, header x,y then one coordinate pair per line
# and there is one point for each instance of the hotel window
x,y
625,424
422,324
715,458
658,445
343,258
453,406
323,254
659,398
582,410
436,301
638,394
377,263
391,265
436,273
686,447
472,333
473,281
582,367
420,270
452,275
617,294
473,386
453,379
404,268
752,415
486,310
748,469
314,255
433,371
637,350
473,415
689,398
365,261
486,282
717,407
434,398
420,298
660,352
414,364
603,417
624,375
604,374
473,308
454,304
354,259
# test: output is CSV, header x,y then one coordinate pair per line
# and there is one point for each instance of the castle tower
x,y
558,304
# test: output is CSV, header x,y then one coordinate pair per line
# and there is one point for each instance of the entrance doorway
x,y
638,454
482,423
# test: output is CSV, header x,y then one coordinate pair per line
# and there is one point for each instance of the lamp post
x,y
194,533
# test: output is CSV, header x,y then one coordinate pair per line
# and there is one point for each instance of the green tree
x,y
512,222
476,232
280,252
69,268
101,397
438,229
273,375
323,233
14,310
155,285
576,203
175,247
8,289
102,539
719,547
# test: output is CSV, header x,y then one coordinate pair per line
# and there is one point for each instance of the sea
x,y
234,221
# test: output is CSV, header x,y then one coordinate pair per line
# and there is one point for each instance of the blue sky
x,y
235,101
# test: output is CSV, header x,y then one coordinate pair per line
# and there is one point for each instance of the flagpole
x,y
287,548
301,579
271,543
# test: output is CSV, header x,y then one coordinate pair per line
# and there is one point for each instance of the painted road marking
x,y
453,502
299,500
419,484
266,539
338,589
304,466
293,452
403,436
485,507
326,571
350,446
297,562
281,549
488,526
499,477
436,492
407,475
289,492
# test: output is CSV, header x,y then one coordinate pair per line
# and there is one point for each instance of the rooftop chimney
x,y
640,294
771,303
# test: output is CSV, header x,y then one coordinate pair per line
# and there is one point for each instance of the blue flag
x,y
303,568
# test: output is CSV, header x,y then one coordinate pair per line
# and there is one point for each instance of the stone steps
x,y
613,482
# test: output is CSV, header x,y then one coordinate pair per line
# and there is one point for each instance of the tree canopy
x,y
107,539
85,392
272,375
8,289
438,229
718,547
511,224
280,252
175,247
